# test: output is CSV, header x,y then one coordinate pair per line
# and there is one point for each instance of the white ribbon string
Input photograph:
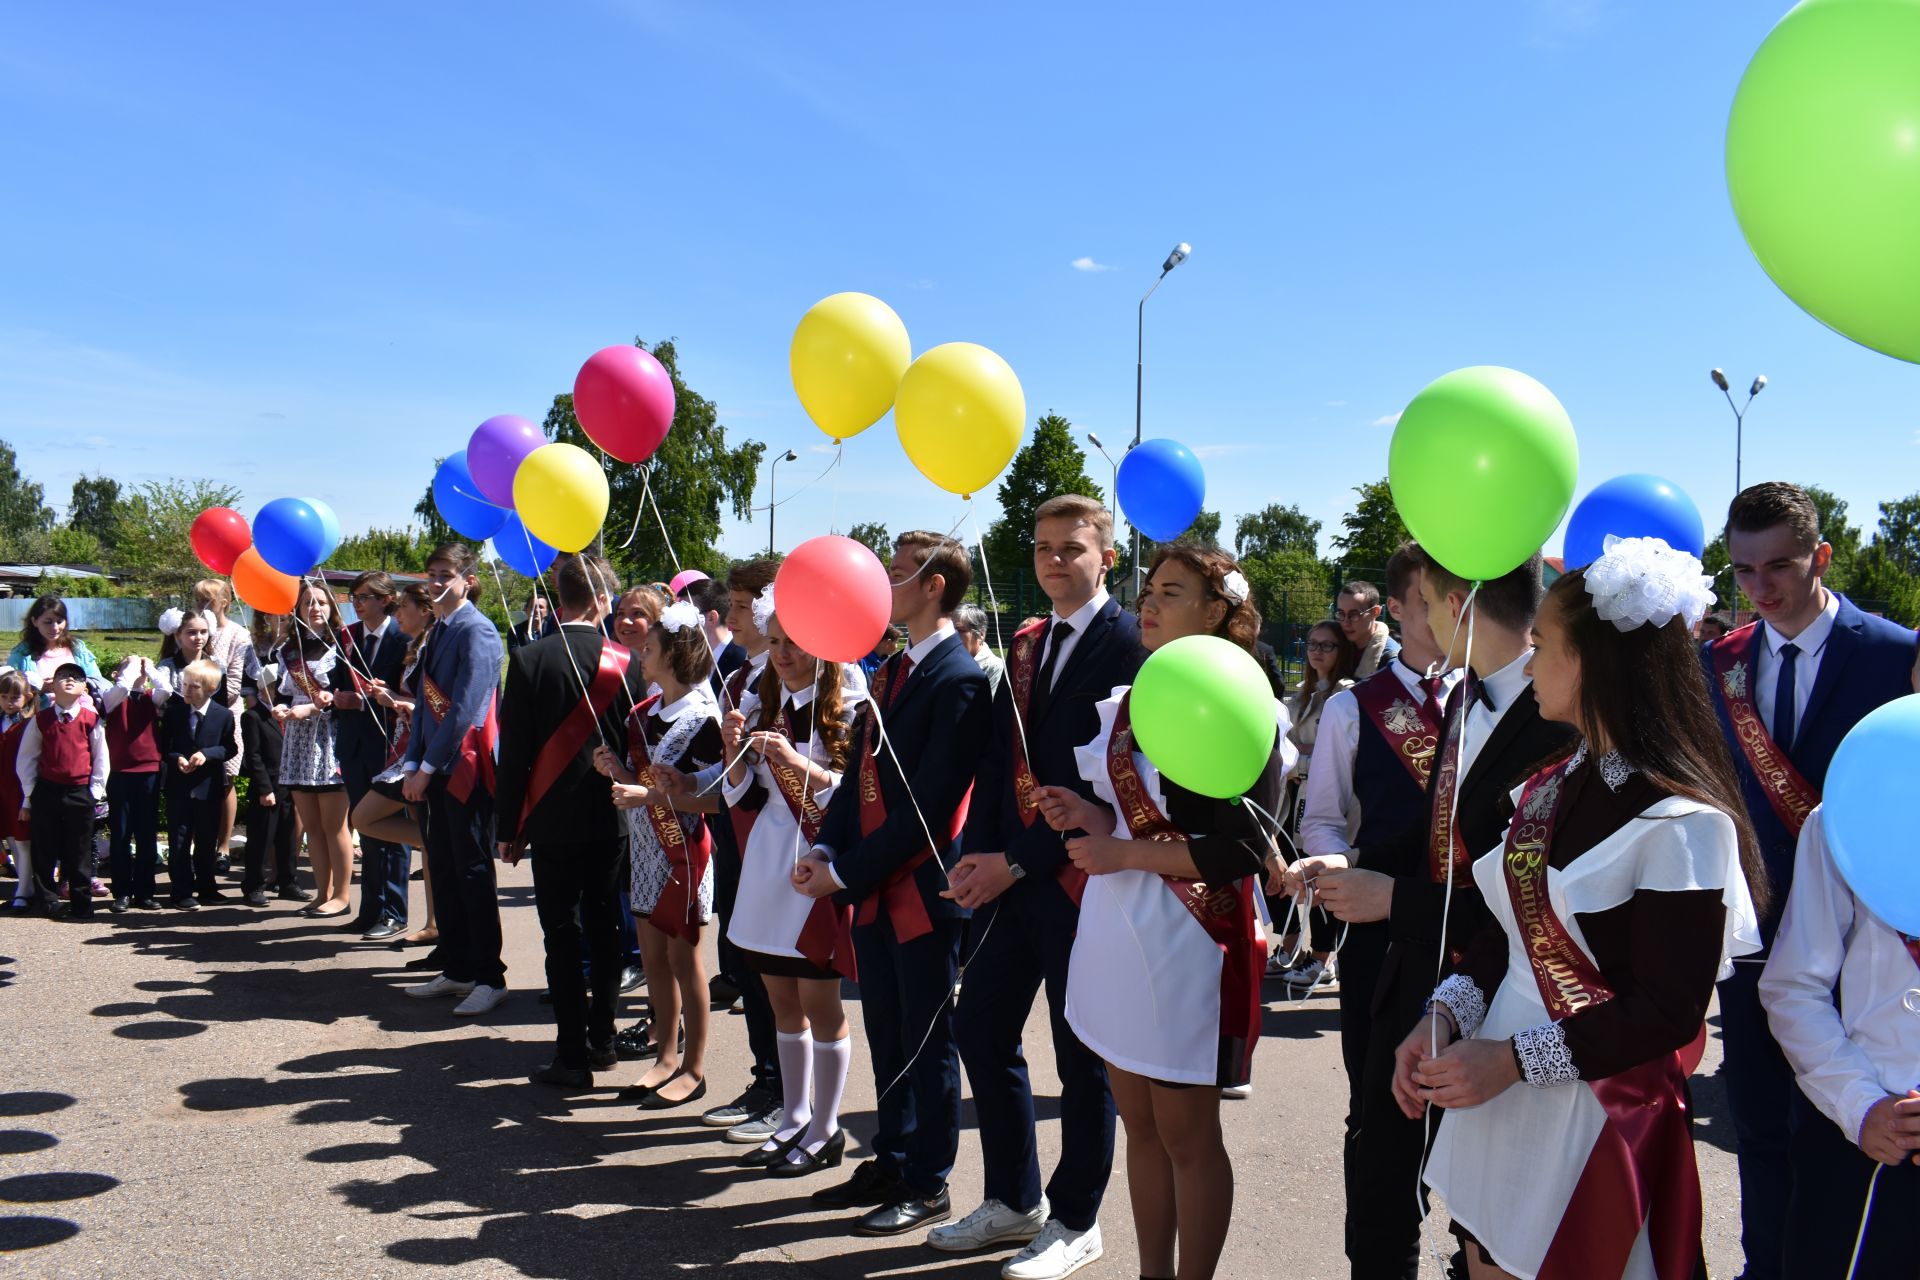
x,y
1866,1213
986,575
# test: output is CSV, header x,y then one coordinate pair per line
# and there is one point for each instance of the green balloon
x,y
1823,166
1202,711
1482,466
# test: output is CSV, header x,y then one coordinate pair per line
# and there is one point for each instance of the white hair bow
x,y
1637,581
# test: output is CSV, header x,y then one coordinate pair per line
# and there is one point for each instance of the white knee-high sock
x,y
831,1060
796,1083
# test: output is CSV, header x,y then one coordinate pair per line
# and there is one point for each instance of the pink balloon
x,y
833,598
495,451
684,579
624,400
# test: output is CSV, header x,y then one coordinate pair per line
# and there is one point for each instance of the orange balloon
x,y
263,586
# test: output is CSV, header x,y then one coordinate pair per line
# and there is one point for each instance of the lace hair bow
x,y
1641,581
1234,587
170,621
763,608
677,617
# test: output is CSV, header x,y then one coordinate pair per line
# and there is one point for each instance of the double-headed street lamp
x,y
1719,377
1174,259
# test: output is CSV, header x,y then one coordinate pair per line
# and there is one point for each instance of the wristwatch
x,y
1014,869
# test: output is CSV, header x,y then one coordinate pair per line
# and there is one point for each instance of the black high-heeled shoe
x,y
828,1156
763,1158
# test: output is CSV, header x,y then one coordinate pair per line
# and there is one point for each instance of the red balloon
x,y
624,400
833,598
219,535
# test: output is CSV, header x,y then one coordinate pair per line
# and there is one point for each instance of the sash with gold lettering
x,y
1224,911
1733,660
1411,728
675,912
473,763
1021,659
906,910
1641,1169
826,939
1446,847
560,750
303,677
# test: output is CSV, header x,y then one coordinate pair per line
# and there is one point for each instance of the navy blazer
x,y
938,726
215,740
364,734
1105,658
462,658
1868,662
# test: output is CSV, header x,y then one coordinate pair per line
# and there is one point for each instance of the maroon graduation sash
x,y
741,819
1224,911
473,763
687,856
303,678
906,910
1791,795
1412,729
560,750
1641,1169
826,939
1020,668
349,649
1446,847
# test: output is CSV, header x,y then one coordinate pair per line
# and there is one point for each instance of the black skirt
x,y
787,967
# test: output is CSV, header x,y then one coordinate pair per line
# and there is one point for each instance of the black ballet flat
x,y
654,1102
762,1158
828,1156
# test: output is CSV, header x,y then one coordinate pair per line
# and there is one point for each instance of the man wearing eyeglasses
x,y
1357,609
374,650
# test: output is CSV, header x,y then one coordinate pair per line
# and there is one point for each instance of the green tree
x,y
1290,587
1899,532
23,504
1275,528
151,527
435,530
690,476
91,509
1049,465
403,550
1372,531
1203,532
1844,538
872,534
1882,583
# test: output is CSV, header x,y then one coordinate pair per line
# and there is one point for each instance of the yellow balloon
x,y
960,414
847,359
561,495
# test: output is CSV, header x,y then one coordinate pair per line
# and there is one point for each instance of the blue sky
x,y
307,249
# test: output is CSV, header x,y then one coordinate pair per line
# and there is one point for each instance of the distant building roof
x,y
36,571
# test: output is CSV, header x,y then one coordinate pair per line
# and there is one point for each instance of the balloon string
x,y
579,679
839,447
986,574
646,496
1866,1211
338,652
964,513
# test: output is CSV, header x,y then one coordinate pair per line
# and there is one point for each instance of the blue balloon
x,y
458,500
329,525
519,550
1633,506
1865,806
1161,488
290,536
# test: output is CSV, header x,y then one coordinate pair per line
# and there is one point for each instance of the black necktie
x,y
1043,683
193,724
1783,726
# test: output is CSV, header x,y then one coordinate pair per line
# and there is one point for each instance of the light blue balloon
x,y
1162,488
1633,506
290,536
1867,812
329,526
457,498
519,550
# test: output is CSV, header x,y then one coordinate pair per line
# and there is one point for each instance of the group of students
x,y
1539,831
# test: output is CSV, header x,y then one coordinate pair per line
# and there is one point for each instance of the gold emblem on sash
x,y
1735,680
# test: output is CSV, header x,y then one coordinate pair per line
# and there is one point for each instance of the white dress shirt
x,y
27,766
1080,619
1812,643
1504,688
1841,992
1332,818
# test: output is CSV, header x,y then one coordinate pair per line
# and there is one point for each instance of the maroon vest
x,y
133,745
66,757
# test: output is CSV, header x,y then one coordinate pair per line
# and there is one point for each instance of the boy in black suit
x,y
873,852
196,737
1491,740
373,649
270,822
1056,674
551,797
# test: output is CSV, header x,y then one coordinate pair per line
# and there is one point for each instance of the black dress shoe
x,y
632,976
827,1157
654,1102
295,893
562,1076
602,1058
213,895
546,997
764,1157
636,1042
119,906
147,904
868,1186
431,961
720,992
904,1216
258,898
185,904
384,931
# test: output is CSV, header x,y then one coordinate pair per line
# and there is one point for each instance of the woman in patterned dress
x,y
308,767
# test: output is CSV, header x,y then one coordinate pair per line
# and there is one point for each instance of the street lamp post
x,y
1174,259
773,469
1719,377
1113,495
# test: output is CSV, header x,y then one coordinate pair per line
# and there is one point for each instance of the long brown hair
x,y
831,723
1242,621
1645,690
1346,661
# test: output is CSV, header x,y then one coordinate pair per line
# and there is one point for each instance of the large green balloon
x,y
1482,466
1202,711
1823,166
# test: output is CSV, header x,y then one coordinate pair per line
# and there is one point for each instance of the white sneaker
x,y
992,1223
482,999
1308,974
1238,1092
440,986
1057,1251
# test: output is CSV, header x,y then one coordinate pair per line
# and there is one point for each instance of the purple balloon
x,y
497,448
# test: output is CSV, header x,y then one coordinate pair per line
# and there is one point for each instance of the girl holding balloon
x,y
308,767
1167,929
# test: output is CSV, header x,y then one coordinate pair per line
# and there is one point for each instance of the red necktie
x,y
899,680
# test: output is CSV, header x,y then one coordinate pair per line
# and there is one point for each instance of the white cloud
x,y
1336,404
95,442
822,448
1386,420
1088,264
